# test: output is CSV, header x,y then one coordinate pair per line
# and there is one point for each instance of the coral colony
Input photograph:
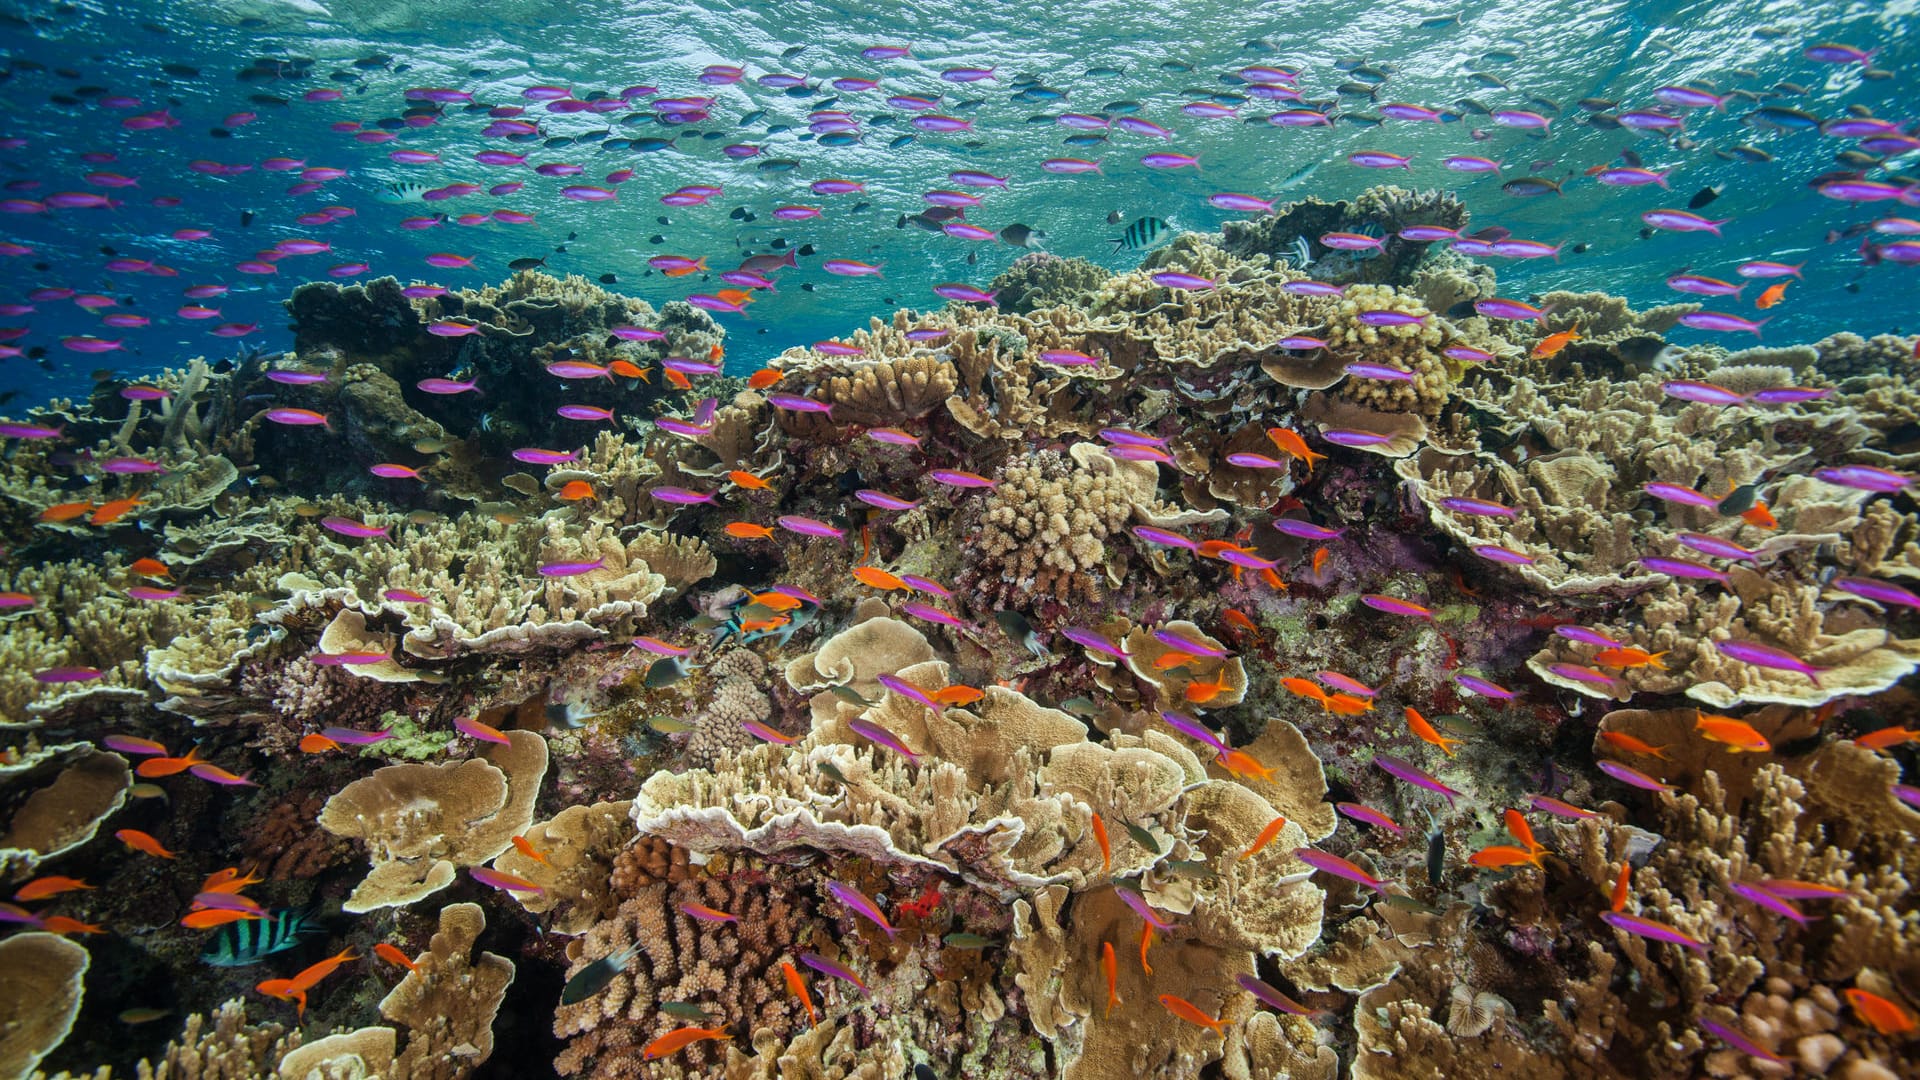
x,y
1288,657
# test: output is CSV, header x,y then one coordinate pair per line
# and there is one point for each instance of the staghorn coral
x,y
422,822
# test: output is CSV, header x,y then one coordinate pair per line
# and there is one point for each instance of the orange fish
x,y
155,767
1188,1011
678,381
1501,857
60,924
521,845
1266,837
1211,549
393,955
764,378
716,352
1426,732
877,578
1146,940
1200,692
229,881
775,601
1307,688
1771,296
208,918
1626,656
53,885
66,511
1236,617
1553,343
143,842
1635,746
1523,832
799,987
1106,847
747,530
1319,560
1112,968
742,297
574,491
284,990
1738,736
675,1041
110,512
627,369
150,568
1243,765
1172,660
1759,516
1291,444
748,480
775,623
1348,705
317,743
697,266
1887,738
1887,1017
958,695
308,978
1620,885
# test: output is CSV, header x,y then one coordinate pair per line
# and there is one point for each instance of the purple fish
x,y
873,732
932,614
349,527
861,903
1547,804
1741,1043
355,737
1153,535
1354,437
1590,637
1188,726
1173,279
534,455
1392,318
1307,530
797,403
683,496
570,569
1427,234
1864,478
1681,568
1393,605
959,479
446,386
1682,221
1274,998
584,412
1247,560
487,876
1881,592
1139,904
1647,928
1680,493
1484,688
1753,894
1720,320
1129,437
885,501
1301,343
1715,546
1702,393
1312,288
1627,774
1386,372
1401,769
1511,310
128,744
1368,815
1496,553
1339,867
905,689
681,427
806,526
30,431
1788,395
1099,643
965,294
1582,673
1174,640
1766,656
827,967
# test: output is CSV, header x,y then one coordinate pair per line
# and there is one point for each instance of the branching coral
x,y
1043,532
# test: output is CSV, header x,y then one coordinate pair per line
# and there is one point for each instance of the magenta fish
x,y
905,689
495,879
1339,867
570,569
873,732
1140,906
355,737
1547,804
349,527
1648,928
1154,535
1484,688
1681,568
1477,507
1306,530
1400,769
1741,1043
1393,605
827,967
1173,639
1756,895
1099,643
1766,656
58,675
932,614
1368,815
885,501
669,494
959,479
862,904
806,526
1631,776
1193,729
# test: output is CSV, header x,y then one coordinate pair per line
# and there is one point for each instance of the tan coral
x,y
579,847
449,1000
422,822
67,812
362,1054
1176,682
42,979
890,392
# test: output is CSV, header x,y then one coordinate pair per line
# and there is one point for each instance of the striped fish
x,y
404,191
1141,235
249,941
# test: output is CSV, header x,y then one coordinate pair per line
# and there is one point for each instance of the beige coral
x,y
41,985
449,1000
578,848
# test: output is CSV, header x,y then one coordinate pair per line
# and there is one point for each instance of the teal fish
x,y
1142,837
1020,631
1082,707
595,976
249,941
685,1010
832,772
849,695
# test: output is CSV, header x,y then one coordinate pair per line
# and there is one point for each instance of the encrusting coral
x,y
42,979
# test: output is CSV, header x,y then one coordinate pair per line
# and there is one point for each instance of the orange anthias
x,y
143,842
748,480
1106,848
1620,886
1266,837
1887,1017
524,847
877,578
764,378
575,491
1292,444
747,530
392,955
1626,656
799,988
52,885
1502,856
1112,969
1188,1011
1244,765
675,1041
1523,832
1426,732
1200,692
1633,745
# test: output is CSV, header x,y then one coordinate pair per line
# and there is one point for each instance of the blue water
x,y
1564,52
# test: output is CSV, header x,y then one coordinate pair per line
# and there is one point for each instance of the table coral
x,y
42,980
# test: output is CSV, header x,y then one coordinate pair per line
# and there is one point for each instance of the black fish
x,y
526,264
595,976
1736,502
609,279
1020,631
1704,196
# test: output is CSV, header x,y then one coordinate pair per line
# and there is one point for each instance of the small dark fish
x,y
666,671
963,940
609,279
595,976
1020,631
832,772
1704,196
1082,707
1524,186
1196,869
849,695
526,264
1142,837
684,1010
1737,502
1436,852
